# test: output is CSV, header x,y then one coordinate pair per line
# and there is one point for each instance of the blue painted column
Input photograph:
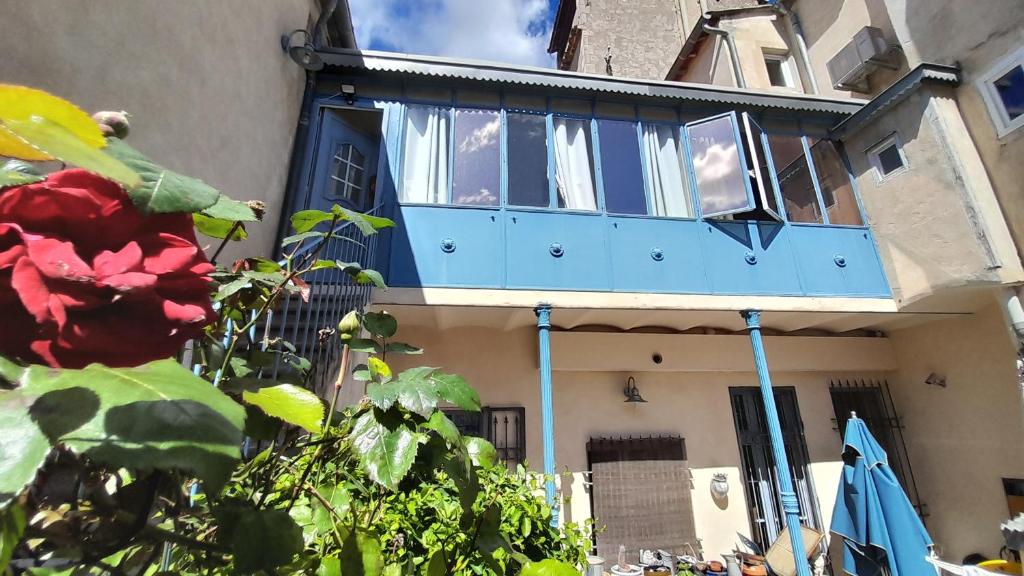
x,y
547,409
790,504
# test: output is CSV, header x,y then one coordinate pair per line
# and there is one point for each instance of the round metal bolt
x,y
448,245
556,249
657,254
750,257
840,260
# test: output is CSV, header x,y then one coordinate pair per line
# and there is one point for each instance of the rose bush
x,y
85,277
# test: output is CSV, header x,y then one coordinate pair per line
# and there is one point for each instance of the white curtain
x,y
572,165
668,190
425,157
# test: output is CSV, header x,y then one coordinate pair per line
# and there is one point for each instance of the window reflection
x,y
620,167
721,182
834,181
476,171
527,160
794,178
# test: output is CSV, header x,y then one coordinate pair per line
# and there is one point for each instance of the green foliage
x,y
162,190
290,403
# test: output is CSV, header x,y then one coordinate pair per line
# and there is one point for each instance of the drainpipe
x,y
801,45
790,504
543,312
734,56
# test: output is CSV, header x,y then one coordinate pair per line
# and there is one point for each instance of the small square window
x,y
887,158
1002,88
780,73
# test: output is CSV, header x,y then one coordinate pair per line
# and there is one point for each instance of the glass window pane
x,y
794,179
527,160
834,181
476,173
757,159
721,181
1010,87
666,177
620,167
574,164
425,155
889,159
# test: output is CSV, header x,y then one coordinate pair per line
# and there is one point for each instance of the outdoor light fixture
x,y
719,485
631,392
349,91
934,379
305,54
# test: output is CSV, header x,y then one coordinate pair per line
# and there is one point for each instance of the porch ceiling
x,y
446,308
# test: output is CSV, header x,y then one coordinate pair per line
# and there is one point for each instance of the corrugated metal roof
x,y
491,72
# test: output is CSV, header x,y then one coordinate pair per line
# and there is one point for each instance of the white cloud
x,y
512,31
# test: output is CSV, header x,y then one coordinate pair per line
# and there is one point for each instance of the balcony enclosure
x,y
506,186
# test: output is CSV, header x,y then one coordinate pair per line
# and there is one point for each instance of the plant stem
x,y
224,242
173,537
337,386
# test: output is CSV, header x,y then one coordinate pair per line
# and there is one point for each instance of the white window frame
x,y
786,64
990,95
876,162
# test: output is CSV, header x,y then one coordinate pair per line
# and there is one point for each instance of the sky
x,y
510,31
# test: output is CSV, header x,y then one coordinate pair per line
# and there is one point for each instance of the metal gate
x,y
760,481
504,427
872,402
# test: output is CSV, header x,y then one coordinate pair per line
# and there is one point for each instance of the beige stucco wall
x,y
502,365
964,438
644,36
210,91
938,224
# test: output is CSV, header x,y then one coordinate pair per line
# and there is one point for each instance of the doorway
x,y
346,159
757,463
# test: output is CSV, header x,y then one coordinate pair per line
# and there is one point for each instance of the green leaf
x,y
158,415
259,426
379,370
549,567
382,396
367,224
443,425
481,452
361,373
289,240
369,276
380,324
419,396
14,178
453,388
306,220
232,210
436,565
361,554
323,264
339,499
264,540
61,143
229,289
329,566
385,454
290,403
364,345
218,227
12,527
162,190
402,348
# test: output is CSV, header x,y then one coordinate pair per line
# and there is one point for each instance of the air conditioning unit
x,y
868,51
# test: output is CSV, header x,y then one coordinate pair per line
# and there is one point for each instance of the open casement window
x,y
761,162
719,166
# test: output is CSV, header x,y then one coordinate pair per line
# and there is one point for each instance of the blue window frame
x,y
718,165
621,167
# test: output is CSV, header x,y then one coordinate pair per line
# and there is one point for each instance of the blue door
x,y
345,171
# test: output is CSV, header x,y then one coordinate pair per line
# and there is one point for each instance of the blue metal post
x,y
790,504
543,312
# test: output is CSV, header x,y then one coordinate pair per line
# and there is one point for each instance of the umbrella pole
x,y
790,504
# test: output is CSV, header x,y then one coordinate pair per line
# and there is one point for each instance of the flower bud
x,y
112,124
349,326
258,207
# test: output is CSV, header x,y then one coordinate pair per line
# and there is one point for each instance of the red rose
x,y
85,277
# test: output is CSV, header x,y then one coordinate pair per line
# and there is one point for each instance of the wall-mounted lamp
x,y
934,379
349,92
719,485
303,54
631,392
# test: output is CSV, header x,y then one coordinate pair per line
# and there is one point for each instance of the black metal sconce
x,y
631,392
